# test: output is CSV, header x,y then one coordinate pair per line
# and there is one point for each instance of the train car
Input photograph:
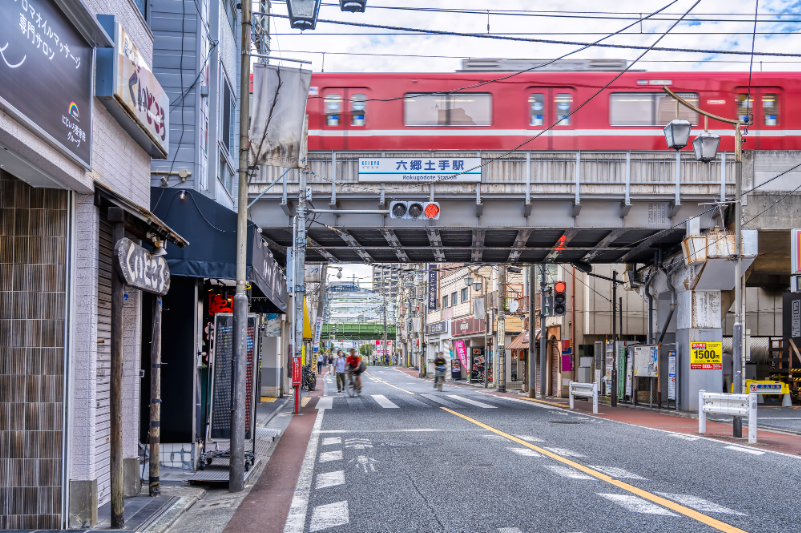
x,y
403,111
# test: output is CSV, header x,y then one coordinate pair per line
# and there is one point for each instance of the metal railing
x,y
584,390
728,404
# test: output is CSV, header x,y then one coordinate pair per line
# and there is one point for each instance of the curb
x,y
283,401
174,513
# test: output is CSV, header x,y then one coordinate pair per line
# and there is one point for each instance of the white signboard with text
x,y
415,169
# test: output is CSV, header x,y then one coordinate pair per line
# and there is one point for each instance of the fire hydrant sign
x,y
706,355
296,371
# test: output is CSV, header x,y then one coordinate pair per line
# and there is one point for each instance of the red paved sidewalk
x,y
266,507
766,440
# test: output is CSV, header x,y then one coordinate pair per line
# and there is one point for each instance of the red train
x,y
397,111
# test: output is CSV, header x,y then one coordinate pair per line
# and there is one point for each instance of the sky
x,y
348,271
701,29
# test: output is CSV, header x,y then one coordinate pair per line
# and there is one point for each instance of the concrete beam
x,y
477,246
395,244
436,243
611,237
561,245
520,243
354,244
314,245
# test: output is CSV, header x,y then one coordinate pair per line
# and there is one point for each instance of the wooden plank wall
x,y
33,254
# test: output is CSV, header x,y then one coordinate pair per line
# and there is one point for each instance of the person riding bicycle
x,y
440,365
356,367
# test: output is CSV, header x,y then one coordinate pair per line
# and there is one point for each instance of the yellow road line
x,y
389,384
563,406
691,513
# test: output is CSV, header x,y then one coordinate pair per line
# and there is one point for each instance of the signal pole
x,y
614,340
543,335
502,329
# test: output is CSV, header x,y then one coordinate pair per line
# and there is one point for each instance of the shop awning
x,y
521,342
211,228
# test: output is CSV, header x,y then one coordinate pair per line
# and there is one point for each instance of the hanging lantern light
x,y
477,286
706,144
303,13
354,6
677,133
468,280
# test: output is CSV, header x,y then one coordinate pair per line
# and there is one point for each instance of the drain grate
x,y
563,422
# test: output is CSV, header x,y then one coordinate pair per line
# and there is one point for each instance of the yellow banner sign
x,y
706,355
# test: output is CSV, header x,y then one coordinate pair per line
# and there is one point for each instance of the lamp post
x,y
706,147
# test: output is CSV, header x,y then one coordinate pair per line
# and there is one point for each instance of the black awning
x,y
211,230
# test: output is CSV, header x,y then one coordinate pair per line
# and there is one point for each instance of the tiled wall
x,y
33,252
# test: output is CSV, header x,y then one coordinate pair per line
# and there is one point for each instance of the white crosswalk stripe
x,y
328,516
617,473
330,479
439,400
471,402
564,453
384,402
526,452
637,505
509,530
327,441
699,504
327,457
569,472
326,402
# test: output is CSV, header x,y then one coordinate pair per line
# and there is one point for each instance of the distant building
x,y
385,276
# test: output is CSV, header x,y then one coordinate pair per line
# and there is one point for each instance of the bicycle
x,y
308,379
350,387
440,377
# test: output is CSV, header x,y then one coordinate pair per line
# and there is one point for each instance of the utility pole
x,y
236,476
532,333
501,328
155,398
737,332
614,339
543,335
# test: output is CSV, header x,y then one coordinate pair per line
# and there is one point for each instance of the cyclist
x,y
440,364
355,367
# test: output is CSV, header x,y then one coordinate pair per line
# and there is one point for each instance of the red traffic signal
x,y
559,298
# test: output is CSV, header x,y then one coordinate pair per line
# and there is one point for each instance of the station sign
x,y
423,169
706,355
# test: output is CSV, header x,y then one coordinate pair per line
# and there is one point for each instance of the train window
x,y
465,109
563,103
358,109
770,109
536,104
333,109
745,107
649,109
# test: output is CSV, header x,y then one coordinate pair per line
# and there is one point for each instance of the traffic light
x,y
559,298
414,210
547,302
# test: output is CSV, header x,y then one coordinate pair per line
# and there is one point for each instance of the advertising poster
x,y
671,375
629,374
706,355
456,369
461,352
432,287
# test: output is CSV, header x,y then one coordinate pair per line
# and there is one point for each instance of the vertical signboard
x,y
795,251
672,375
296,371
461,352
46,74
432,287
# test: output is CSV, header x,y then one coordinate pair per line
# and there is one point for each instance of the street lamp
x,y
354,6
477,286
468,280
303,13
706,144
677,133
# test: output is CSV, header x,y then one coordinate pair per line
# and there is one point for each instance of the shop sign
x,y
706,355
296,371
437,328
467,326
220,304
671,375
46,74
432,287
461,352
406,169
141,270
138,91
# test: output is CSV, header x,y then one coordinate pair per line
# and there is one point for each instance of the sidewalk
x,y
684,423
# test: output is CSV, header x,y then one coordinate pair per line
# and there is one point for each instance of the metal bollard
x,y
701,413
752,418
572,403
595,398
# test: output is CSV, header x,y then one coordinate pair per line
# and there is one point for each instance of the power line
x,y
550,41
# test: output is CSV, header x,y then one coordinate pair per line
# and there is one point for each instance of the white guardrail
x,y
585,390
728,404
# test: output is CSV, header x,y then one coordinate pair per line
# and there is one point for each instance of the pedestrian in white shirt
x,y
339,367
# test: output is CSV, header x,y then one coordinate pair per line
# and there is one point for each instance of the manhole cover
x,y
563,422
400,444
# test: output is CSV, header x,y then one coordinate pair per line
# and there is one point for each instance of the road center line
x,y
686,511
389,384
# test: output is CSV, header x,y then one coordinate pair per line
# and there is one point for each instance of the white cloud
x,y
705,34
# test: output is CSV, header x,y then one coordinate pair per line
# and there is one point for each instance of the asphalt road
x,y
404,457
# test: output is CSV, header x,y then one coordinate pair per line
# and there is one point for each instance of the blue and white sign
x,y
412,169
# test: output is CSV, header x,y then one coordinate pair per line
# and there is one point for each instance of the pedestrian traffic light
x,y
559,298
547,302
414,210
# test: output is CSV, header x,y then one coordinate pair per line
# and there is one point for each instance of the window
x,y
563,104
445,301
358,109
226,175
745,108
333,109
141,5
230,13
454,299
536,104
227,117
465,294
649,109
464,109
770,109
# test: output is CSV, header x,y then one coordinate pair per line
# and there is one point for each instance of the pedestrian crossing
x,y
410,401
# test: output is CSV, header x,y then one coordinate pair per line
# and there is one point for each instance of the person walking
x,y
331,364
320,361
339,367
